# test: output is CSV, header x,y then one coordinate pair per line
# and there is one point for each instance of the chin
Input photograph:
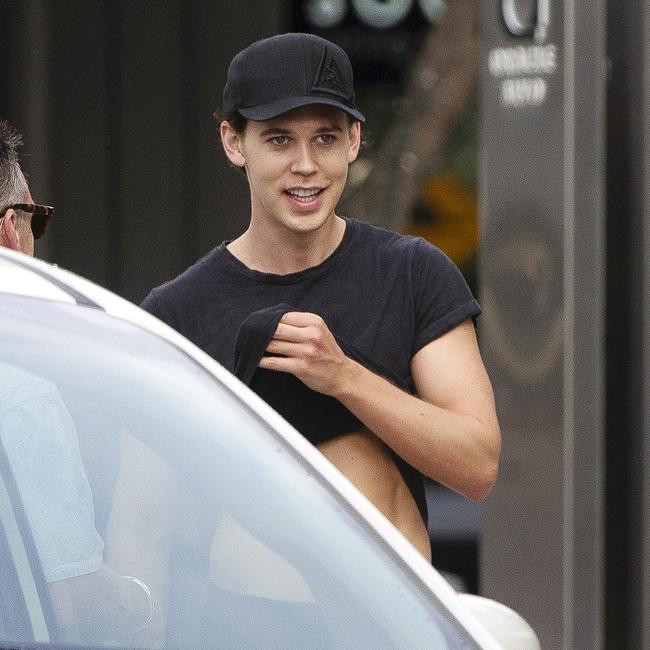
x,y
305,223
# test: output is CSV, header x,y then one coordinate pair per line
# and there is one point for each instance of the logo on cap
x,y
329,78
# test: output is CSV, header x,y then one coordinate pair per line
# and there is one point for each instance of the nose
x,y
304,162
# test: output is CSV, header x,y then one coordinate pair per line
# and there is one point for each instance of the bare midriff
x,y
240,563
368,463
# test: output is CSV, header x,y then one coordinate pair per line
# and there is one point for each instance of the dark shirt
x,y
318,417
383,295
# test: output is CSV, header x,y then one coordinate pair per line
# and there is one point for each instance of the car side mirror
x,y
507,627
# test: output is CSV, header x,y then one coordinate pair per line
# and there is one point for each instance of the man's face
x,y
297,165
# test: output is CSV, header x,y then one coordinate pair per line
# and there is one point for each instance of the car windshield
x,y
157,509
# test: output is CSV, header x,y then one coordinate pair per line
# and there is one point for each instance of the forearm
x,y
140,526
453,448
450,432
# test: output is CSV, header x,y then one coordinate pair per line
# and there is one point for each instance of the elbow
x,y
485,475
483,481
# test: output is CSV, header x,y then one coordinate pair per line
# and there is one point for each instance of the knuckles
x,y
316,338
311,352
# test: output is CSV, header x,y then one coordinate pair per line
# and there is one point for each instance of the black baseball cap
x,y
283,72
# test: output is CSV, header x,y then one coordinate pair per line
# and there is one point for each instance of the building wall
x,y
115,100
628,347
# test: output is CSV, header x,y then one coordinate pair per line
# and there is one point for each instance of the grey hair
x,y
13,186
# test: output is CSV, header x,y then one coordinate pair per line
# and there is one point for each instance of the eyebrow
x,y
281,131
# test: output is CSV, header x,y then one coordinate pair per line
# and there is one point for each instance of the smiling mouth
x,y
304,195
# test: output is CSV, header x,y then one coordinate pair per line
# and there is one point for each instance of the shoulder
x,y
189,285
396,246
370,233
198,273
372,236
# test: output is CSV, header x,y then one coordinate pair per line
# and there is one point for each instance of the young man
x,y
362,338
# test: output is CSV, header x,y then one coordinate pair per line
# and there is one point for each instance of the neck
x,y
275,252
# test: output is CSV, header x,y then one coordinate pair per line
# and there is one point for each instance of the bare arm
x,y
140,525
449,431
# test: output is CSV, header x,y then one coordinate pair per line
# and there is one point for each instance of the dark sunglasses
x,y
40,216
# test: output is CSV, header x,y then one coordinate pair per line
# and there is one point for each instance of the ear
x,y
8,232
354,134
232,144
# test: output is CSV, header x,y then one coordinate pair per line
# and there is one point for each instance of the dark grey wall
x,y
628,319
115,99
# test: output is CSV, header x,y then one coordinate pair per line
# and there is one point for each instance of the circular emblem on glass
x,y
433,9
325,14
382,14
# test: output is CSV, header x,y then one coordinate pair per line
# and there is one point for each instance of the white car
x,y
214,522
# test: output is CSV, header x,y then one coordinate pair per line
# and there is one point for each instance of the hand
x,y
308,350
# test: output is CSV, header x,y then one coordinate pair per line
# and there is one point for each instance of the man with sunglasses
x,y
38,437
38,217
21,220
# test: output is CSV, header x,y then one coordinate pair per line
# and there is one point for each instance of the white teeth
x,y
304,194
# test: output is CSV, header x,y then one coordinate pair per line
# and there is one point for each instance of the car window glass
x,y
173,515
21,604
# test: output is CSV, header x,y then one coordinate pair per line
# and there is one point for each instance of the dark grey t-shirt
x,y
386,295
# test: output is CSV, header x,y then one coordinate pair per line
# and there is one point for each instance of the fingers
x,y
279,364
298,336
289,333
301,319
285,348
298,326
303,346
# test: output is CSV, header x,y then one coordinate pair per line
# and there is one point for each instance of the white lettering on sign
x,y
523,91
523,72
509,61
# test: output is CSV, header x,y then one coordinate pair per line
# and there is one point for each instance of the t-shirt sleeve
x,y
152,305
155,307
41,444
442,297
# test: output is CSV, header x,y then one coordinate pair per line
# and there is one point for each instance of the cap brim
x,y
273,109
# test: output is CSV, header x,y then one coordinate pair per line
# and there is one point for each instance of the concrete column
x,y
543,78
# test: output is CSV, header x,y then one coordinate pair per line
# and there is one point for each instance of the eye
x,y
327,138
279,139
